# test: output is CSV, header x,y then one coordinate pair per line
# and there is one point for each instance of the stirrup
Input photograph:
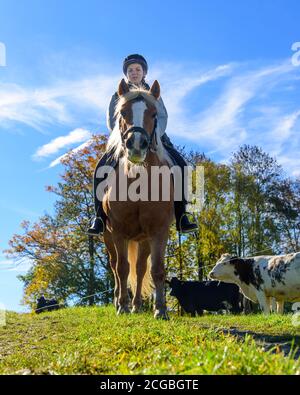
x,y
190,227
97,227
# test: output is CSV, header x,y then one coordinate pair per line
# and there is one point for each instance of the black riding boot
x,y
98,223
183,224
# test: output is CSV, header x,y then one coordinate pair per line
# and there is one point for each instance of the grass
x,y
93,340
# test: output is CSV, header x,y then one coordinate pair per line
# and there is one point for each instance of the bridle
x,y
151,139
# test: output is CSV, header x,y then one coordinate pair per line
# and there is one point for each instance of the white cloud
x,y
20,265
236,113
75,136
283,131
57,104
58,160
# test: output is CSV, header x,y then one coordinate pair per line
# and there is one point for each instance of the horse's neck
x,y
152,159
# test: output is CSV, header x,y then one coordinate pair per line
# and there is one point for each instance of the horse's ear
x,y
155,89
123,88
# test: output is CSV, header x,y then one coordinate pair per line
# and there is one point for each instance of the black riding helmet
x,y
135,58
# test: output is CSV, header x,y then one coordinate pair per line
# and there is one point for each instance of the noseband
x,y
150,139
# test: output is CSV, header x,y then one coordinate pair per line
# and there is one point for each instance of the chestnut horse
x,y
138,229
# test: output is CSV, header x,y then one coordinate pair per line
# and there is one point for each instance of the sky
x,y
229,73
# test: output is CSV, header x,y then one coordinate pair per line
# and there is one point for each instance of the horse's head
x,y
137,119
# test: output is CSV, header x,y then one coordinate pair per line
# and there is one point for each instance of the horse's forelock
x,y
133,94
115,140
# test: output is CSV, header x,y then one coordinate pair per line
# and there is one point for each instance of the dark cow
x,y
46,305
196,296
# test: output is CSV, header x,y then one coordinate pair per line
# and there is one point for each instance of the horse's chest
x,y
137,220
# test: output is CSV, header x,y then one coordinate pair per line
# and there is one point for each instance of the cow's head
x,y
175,286
224,269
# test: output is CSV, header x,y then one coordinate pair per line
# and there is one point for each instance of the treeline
x,y
250,208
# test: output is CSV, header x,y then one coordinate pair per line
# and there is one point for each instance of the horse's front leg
x,y
141,267
158,246
113,264
122,270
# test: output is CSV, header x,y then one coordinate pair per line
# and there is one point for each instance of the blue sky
x,y
224,67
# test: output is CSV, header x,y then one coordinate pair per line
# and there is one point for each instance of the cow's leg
x,y
122,270
235,307
141,267
264,302
280,306
158,246
113,264
273,305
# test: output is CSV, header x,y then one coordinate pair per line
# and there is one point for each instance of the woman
x,y
135,68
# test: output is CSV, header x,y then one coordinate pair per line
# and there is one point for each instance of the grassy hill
x,y
95,341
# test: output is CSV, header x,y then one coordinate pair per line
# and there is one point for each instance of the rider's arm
x,y
162,117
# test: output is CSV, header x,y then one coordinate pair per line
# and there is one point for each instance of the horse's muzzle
x,y
137,144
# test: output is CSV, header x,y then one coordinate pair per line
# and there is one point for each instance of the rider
x,y
135,68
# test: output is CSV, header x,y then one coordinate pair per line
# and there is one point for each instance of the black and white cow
x,y
262,278
196,296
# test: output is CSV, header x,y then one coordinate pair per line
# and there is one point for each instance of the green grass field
x,y
95,341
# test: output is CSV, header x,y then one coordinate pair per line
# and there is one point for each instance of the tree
x,y
66,262
254,174
285,201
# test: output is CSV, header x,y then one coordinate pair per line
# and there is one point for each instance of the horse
x,y
137,230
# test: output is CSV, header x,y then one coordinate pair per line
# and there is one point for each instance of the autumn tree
x,y
285,202
66,262
254,174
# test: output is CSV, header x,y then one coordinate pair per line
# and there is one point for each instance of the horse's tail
x,y
147,287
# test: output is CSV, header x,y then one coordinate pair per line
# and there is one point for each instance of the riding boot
x,y
183,224
98,223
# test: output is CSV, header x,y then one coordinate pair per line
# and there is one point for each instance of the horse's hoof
x,y
136,310
123,310
161,315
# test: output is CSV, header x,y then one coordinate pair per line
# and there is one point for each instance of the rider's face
x,y
135,73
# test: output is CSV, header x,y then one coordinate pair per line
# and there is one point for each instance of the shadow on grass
x,y
288,344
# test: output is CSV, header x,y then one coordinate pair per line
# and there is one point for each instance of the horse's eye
x,y
123,113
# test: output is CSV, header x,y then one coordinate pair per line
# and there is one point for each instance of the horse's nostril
x,y
129,143
144,144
